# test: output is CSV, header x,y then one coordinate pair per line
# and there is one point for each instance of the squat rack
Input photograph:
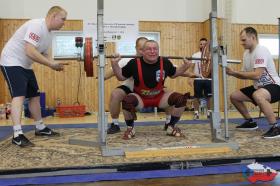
x,y
215,115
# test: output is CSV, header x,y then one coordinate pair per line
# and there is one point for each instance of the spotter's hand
x,y
58,66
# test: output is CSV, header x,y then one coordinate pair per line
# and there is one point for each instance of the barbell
x,y
88,57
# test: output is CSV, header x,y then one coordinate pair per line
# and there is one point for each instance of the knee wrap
x,y
178,100
129,103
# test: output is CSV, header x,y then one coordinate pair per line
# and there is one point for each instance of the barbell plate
x,y
206,65
88,57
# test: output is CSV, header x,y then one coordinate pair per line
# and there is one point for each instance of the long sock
x,y
40,124
129,123
167,118
17,130
173,120
115,121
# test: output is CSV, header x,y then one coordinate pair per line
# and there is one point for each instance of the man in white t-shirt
x,y
258,65
29,44
202,86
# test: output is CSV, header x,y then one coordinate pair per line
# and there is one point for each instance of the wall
x,y
177,38
150,10
240,11
256,11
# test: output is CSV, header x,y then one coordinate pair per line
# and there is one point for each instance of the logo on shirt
x,y
259,61
158,75
152,92
34,37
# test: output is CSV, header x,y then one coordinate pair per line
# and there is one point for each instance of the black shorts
x,y
202,88
125,89
273,89
21,82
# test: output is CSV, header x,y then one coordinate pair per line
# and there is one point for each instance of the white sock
x,y
167,118
208,112
40,124
17,130
115,121
196,112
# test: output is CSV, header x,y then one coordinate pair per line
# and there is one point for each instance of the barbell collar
x,y
234,61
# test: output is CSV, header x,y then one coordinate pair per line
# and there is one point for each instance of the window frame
x,y
56,34
73,34
269,47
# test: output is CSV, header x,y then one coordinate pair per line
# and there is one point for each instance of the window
x,y
128,48
271,42
63,44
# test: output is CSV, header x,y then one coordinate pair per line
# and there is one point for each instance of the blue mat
x,y
117,176
132,175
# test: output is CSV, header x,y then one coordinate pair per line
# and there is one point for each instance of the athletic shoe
x,y
113,129
129,133
196,116
208,114
174,131
247,126
273,132
46,132
22,141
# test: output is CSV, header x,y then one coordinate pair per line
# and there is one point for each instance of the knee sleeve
x,y
178,100
129,103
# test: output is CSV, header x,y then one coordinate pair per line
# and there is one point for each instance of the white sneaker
x,y
196,116
209,114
